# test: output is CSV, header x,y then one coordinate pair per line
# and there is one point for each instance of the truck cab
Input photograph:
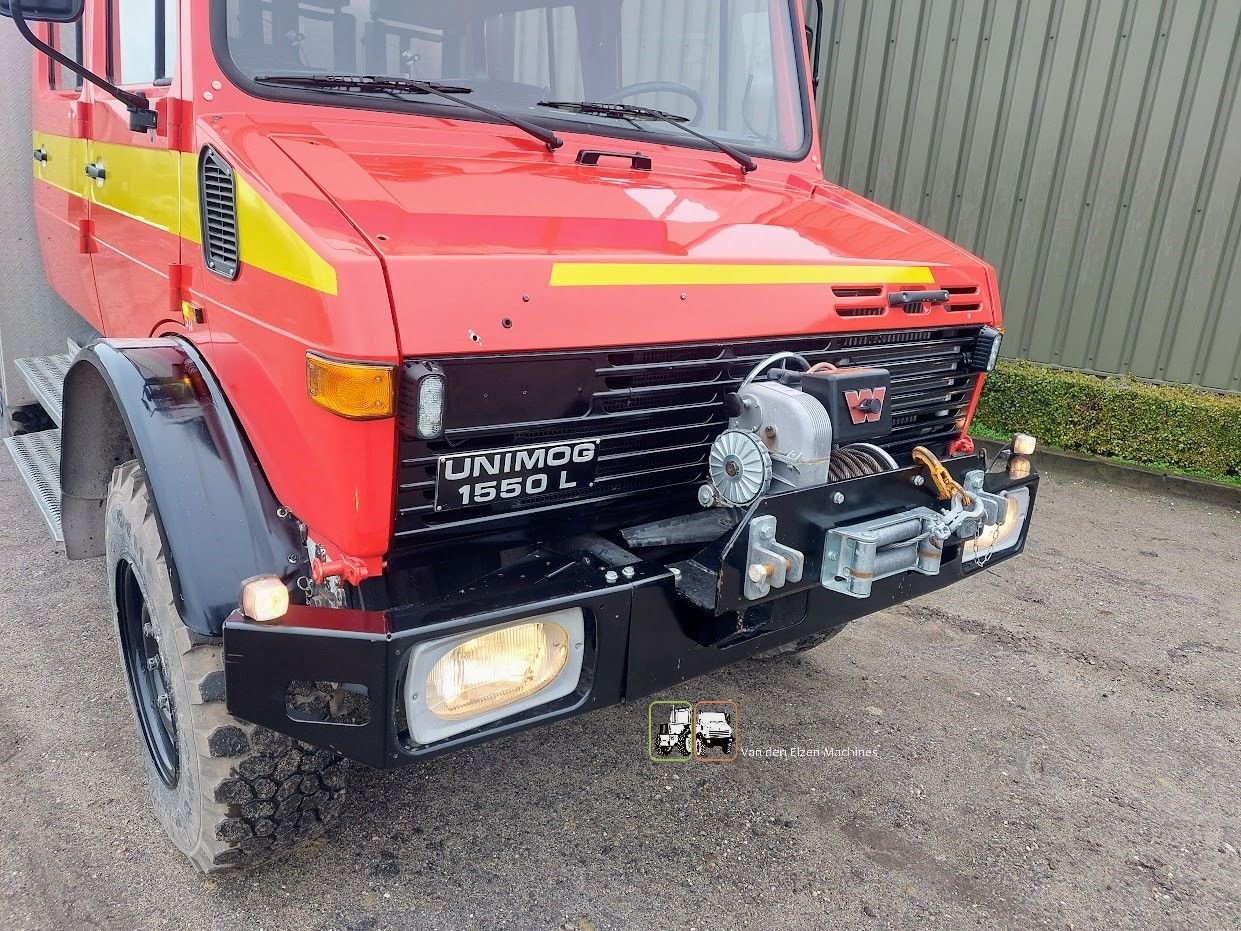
x,y
441,370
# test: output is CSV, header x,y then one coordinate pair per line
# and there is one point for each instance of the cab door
x,y
133,177
58,150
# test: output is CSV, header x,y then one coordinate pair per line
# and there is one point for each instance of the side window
x,y
66,39
142,41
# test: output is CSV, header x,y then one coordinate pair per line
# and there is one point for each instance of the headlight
x,y
462,682
1002,536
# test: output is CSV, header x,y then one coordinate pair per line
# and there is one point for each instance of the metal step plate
x,y
46,377
38,460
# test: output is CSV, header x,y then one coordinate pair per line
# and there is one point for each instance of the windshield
x,y
712,717
727,65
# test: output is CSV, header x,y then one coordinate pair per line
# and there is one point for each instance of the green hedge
x,y
1119,417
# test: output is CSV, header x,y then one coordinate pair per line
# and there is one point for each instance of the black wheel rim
x,y
147,684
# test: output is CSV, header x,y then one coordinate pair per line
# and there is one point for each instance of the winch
x,y
795,426
798,427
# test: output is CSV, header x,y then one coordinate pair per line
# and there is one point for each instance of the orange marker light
x,y
355,390
264,599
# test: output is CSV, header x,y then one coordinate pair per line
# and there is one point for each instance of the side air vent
x,y
217,194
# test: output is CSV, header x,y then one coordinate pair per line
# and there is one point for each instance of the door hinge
x,y
169,111
81,119
86,236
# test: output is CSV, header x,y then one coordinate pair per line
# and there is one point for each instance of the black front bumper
x,y
642,635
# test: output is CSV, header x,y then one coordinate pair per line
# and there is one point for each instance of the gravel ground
x,y
1051,745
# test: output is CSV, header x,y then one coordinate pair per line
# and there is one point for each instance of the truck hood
x,y
493,249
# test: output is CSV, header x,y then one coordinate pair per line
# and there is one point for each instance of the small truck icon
x,y
686,733
712,730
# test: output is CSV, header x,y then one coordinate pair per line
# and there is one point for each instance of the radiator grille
x,y
657,411
218,197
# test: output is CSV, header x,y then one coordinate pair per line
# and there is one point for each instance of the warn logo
x,y
866,405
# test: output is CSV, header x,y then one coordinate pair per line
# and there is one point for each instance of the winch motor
x,y
798,426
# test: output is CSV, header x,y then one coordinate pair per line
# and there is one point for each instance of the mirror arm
x,y
817,52
141,116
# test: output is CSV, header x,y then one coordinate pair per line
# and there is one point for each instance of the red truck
x,y
447,369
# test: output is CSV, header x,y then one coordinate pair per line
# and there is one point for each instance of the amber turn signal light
x,y
264,599
356,390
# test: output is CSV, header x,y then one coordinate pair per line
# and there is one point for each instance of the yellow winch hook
x,y
945,484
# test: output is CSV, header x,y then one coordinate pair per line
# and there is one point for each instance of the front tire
x,y
229,793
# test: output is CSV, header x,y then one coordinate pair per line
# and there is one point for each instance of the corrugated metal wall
x,y
1089,149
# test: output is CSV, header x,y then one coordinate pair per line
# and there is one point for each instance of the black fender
x,y
156,400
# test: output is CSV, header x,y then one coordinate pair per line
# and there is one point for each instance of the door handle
x,y
96,171
40,154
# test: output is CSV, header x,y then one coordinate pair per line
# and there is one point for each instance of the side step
x,y
38,460
46,377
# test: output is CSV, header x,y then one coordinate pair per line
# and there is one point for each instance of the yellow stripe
x,y
160,188
619,274
65,165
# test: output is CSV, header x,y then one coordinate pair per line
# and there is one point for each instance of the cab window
x,y
66,39
142,41
727,66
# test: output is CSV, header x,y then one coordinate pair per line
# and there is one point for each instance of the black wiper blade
x,y
625,111
360,82
400,88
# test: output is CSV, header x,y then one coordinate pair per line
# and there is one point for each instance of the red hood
x,y
495,250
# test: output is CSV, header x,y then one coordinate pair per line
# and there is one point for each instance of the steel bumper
x,y
643,634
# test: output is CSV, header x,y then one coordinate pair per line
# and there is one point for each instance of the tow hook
x,y
770,564
947,486
353,571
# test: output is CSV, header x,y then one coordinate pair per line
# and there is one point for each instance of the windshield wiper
x,y
399,88
625,111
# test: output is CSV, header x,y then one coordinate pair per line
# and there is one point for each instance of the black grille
x,y
656,411
217,190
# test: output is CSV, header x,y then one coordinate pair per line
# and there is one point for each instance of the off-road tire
x,y
726,748
799,646
242,794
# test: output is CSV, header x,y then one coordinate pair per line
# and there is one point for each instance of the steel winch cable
x,y
858,461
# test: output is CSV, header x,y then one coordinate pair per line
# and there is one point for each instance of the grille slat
x,y
656,412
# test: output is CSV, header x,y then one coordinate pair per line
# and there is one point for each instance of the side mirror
x,y
44,11
141,117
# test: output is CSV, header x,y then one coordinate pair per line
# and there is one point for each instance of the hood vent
x,y
217,195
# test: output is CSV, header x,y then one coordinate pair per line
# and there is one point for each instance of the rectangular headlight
x,y
468,680
1003,536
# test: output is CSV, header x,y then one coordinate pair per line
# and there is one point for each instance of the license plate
x,y
520,474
